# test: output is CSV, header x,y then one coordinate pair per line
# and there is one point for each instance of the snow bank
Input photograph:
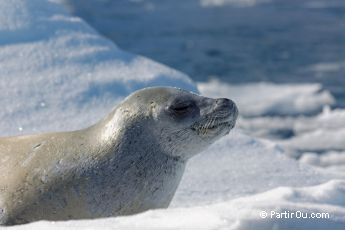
x,y
258,99
54,67
239,165
317,207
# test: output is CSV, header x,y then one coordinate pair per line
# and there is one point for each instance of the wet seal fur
x,y
129,162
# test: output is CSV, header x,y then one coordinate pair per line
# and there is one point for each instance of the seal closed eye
x,y
183,108
128,162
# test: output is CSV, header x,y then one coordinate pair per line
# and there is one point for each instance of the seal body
x,y
129,162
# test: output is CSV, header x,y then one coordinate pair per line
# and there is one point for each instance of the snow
x,y
318,140
256,99
57,73
290,117
240,165
300,135
326,201
55,67
320,133
331,160
328,119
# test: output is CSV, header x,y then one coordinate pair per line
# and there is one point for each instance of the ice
x,y
325,201
239,165
250,3
319,133
331,160
328,119
57,73
238,3
319,140
326,67
60,74
319,4
258,99
268,127
297,116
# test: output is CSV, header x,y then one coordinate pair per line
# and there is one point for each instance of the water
x,y
279,41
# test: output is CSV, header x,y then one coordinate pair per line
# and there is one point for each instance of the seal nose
x,y
225,103
221,101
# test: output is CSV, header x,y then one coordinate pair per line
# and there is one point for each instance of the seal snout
x,y
228,108
222,117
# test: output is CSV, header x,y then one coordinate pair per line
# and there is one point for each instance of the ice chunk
x,y
239,3
257,99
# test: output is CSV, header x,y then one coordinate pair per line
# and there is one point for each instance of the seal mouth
x,y
213,125
220,121
219,124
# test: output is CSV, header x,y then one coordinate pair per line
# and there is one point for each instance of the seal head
x,y
184,123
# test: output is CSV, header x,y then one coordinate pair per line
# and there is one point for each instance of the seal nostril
x,y
225,102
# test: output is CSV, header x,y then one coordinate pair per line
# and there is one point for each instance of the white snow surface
x,y
324,200
57,73
331,160
257,99
265,113
320,133
54,67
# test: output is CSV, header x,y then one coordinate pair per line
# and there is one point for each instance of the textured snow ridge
x,y
290,118
55,67
255,99
317,207
239,165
